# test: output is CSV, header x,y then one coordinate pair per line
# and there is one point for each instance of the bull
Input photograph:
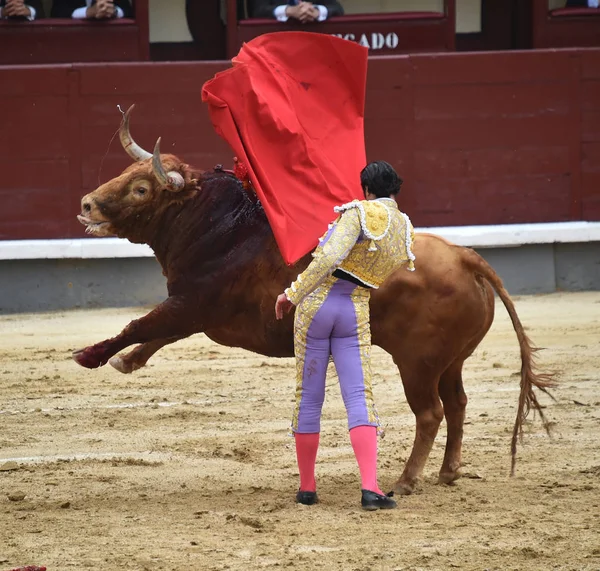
x,y
224,272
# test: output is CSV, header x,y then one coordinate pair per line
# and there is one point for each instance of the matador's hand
x,y
282,305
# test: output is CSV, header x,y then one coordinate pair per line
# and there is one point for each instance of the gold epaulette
x,y
375,219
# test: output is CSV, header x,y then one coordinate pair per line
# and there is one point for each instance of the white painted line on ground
x,y
147,455
116,406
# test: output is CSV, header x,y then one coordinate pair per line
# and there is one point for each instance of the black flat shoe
x,y
372,501
307,498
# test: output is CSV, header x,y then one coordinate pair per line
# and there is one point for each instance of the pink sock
x,y
306,454
364,444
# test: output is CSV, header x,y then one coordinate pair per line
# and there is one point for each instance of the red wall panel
x,y
590,127
478,138
35,199
491,201
493,67
491,164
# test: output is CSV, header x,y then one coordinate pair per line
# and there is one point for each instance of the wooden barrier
x,y
564,27
487,138
57,40
382,33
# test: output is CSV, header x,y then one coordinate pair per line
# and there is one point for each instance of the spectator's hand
x,y
304,12
106,9
12,7
12,4
311,14
101,10
15,8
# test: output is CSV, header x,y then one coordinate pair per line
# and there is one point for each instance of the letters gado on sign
x,y
373,41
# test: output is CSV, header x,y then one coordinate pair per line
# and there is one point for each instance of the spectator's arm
x,y
37,9
280,14
30,16
79,13
267,9
123,9
333,9
323,12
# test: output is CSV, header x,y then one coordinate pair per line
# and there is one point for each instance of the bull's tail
x,y
530,378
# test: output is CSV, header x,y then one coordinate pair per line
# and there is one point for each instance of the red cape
x,y
292,109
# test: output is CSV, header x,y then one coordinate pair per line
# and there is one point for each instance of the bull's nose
x,y
86,207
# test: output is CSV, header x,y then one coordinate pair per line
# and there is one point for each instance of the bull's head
x,y
129,203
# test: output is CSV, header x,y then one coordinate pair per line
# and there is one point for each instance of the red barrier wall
x,y
483,138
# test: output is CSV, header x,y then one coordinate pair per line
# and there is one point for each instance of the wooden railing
x,y
564,27
57,40
383,33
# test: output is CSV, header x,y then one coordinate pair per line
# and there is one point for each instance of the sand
x,y
187,463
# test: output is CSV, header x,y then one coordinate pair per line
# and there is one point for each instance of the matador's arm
x,y
335,247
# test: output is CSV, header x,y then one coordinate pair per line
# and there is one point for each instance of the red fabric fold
x,y
292,109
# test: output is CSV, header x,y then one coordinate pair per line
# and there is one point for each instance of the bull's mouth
x,y
95,227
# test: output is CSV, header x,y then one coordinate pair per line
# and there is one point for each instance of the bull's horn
x,y
131,147
172,180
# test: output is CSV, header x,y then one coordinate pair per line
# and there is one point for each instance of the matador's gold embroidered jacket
x,y
369,240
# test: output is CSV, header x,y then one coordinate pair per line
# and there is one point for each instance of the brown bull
x,y
224,272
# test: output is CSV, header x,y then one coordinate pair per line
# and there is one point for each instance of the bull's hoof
x,y
448,478
403,489
123,366
87,359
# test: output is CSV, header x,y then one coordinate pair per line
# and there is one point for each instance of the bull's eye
x,y
140,190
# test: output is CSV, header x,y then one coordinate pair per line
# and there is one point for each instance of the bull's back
x,y
442,308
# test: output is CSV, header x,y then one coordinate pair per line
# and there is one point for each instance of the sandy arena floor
x,y
186,464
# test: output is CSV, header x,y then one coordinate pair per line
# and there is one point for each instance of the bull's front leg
x,y
138,357
175,318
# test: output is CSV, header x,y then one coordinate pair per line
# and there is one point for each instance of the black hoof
x,y
372,501
307,498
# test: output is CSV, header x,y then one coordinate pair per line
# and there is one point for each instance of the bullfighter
x,y
370,240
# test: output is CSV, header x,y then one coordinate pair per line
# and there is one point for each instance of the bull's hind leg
x,y
455,403
138,357
421,389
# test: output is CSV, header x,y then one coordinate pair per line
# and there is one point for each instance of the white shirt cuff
x,y
323,12
79,13
593,3
279,13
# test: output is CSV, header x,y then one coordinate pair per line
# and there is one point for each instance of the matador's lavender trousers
x,y
333,321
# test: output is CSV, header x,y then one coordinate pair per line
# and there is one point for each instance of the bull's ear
x,y
172,180
187,175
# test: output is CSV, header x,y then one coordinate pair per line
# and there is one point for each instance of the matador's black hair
x,y
380,179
